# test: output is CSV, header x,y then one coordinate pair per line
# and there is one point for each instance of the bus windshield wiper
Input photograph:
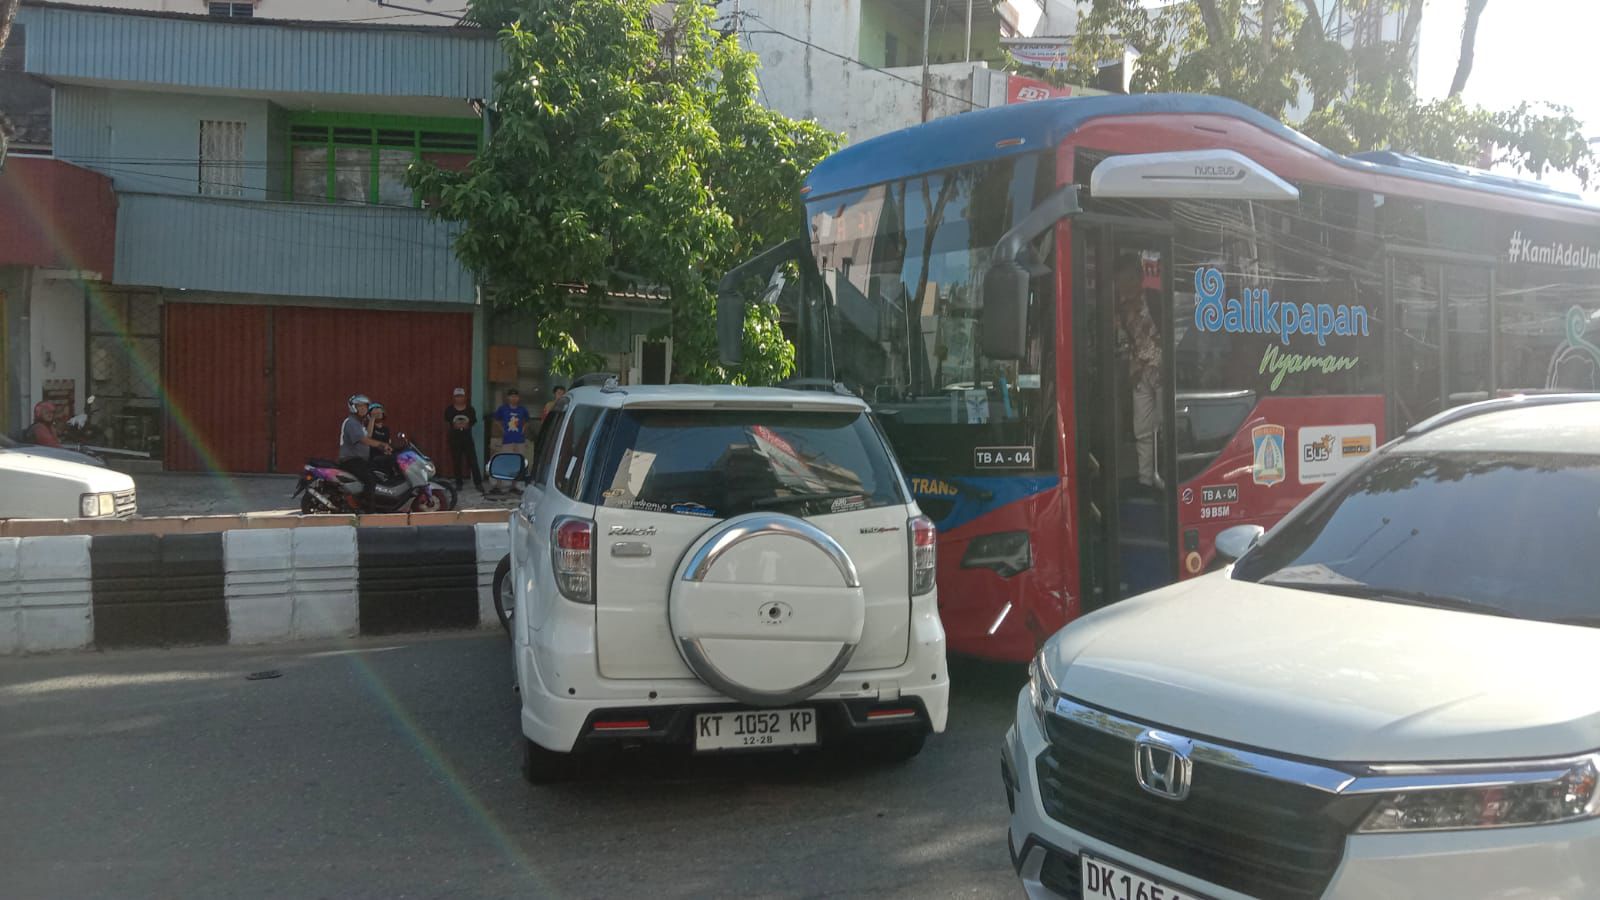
x,y
1395,595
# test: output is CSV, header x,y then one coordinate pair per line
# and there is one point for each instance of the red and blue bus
x,y
982,280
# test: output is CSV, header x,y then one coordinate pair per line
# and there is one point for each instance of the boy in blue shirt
x,y
513,419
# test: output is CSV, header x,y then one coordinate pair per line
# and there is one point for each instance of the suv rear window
x,y
725,463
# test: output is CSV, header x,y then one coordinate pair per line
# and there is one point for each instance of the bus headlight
x,y
1006,552
1473,797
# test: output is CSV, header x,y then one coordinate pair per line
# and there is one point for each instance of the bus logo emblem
x,y
1269,466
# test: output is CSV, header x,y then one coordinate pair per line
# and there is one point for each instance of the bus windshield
x,y
901,264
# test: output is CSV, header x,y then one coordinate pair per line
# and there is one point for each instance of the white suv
x,y
1391,695
720,567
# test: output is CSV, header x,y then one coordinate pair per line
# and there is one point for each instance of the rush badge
x,y
1269,467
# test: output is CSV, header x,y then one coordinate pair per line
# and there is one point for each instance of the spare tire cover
x,y
766,608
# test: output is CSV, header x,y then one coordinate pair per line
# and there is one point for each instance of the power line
x,y
385,4
850,59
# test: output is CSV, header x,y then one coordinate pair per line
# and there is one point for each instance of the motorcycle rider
x,y
356,445
381,460
43,429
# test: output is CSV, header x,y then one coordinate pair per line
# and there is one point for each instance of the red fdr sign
x,y
1020,89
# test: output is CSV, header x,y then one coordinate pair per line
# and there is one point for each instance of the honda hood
x,y
1335,678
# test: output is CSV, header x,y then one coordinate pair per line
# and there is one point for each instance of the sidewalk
x,y
202,494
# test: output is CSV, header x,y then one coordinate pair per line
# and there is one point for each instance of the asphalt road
x,y
389,769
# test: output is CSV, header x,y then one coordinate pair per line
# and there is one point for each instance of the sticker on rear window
x,y
693,509
848,504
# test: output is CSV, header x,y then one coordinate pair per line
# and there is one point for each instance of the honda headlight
x,y
1042,688
1476,797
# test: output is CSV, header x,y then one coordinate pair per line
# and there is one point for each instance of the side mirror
x,y
507,466
730,328
1235,542
1005,310
731,301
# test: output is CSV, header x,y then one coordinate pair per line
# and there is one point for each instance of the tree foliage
x,y
626,151
1351,95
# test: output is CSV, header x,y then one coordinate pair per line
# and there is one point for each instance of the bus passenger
x,y
1137,332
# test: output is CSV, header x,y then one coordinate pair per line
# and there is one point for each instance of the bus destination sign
x,y
1002,458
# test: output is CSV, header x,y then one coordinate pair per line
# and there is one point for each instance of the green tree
x,y
1271,53
627,151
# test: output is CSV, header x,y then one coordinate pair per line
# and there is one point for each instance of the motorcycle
x,y
407,487
80,434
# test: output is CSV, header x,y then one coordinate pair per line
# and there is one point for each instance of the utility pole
x,y
927,27
969,31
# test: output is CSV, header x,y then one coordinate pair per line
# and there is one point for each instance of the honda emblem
x,y
1161,764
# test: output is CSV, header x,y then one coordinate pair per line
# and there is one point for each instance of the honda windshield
x,y
1506,533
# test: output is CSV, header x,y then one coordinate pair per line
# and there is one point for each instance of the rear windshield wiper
x,y
767,502
1397,595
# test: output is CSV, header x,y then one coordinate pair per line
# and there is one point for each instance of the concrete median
x,y
159,582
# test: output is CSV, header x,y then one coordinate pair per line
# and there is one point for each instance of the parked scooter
x,y
80,434
408,487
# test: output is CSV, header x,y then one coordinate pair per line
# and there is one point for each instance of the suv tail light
x,y
924,554
572,555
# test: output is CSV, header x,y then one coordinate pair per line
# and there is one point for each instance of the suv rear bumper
x,y
675,725
565,720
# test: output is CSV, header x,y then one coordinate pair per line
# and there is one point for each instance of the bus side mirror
x,y
1235,542
730,328
731,301
1005,310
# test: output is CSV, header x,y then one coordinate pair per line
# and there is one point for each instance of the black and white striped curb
x,y
248,586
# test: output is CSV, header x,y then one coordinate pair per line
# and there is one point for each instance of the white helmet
x,y
356,400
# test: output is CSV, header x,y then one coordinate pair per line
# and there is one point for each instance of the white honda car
x,y
1392,694
726,568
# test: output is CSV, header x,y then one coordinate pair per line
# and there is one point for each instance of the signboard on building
x,y
1021,89
1042,53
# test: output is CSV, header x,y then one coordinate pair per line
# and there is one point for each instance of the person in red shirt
x,y
43,429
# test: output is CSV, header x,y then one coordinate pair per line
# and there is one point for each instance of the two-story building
x,y
856,66
269,258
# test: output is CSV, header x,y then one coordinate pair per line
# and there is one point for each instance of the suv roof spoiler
x,y
826,385
1498,404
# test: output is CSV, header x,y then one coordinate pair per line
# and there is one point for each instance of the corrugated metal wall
x,y
294,249
215,372
220,386
407,361
111,45
82,123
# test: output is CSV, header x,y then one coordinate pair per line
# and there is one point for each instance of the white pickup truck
x,y
38,487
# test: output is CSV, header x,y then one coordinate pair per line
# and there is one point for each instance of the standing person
x,y
513,419
1142,344
43,429
556,394
355,447
461,418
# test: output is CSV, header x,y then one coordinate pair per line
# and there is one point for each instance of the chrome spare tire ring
x,y
699,566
